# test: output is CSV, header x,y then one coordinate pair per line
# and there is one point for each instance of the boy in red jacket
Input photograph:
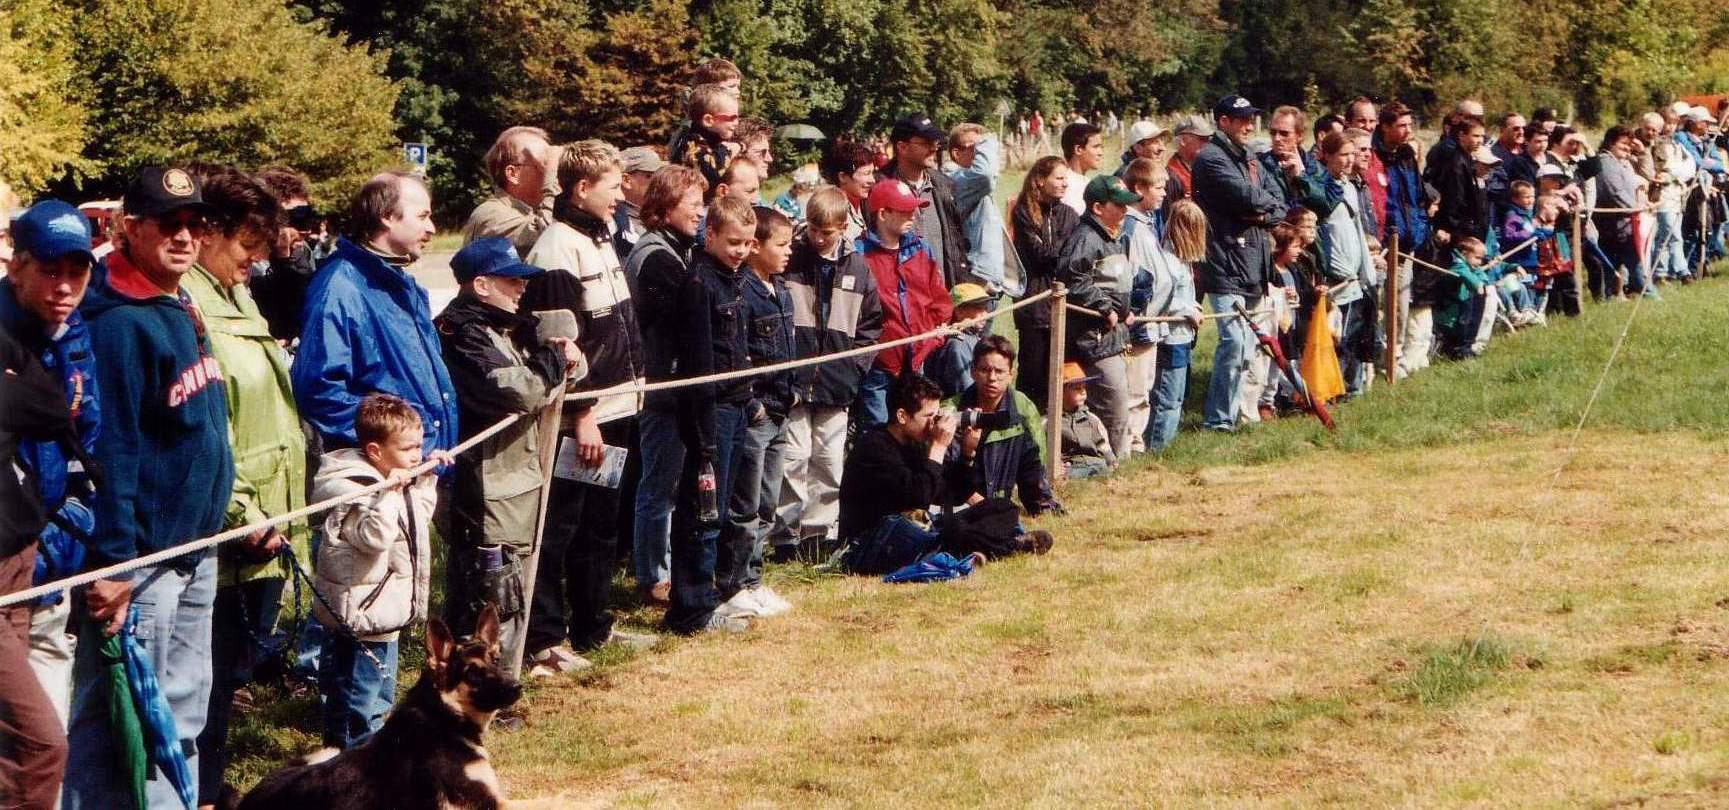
x,y
914,299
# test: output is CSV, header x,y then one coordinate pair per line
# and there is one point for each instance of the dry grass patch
x,y
1469,634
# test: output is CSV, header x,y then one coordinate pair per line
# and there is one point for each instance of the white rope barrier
x,y
202,544
1205,316
236,533
727,376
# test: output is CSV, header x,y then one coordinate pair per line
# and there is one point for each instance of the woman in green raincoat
x,y
269,447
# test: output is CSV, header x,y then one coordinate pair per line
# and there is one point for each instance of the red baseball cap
x,y
893,195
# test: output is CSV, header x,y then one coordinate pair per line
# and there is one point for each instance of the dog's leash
x,y
342,627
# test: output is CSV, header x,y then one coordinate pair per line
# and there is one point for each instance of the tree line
x,y
92,89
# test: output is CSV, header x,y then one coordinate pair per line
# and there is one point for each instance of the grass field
x,y
1414,611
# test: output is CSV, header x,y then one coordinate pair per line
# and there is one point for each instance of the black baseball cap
x,y
159,190
1235,107
917,125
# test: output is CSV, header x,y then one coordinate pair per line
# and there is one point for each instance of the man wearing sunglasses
x,y
166,479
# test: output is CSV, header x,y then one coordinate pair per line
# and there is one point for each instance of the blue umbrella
x,y
161,739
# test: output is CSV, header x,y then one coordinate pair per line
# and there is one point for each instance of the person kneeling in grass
x,y
896,473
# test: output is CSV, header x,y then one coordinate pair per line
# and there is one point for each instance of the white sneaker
x,y
772,604
742,605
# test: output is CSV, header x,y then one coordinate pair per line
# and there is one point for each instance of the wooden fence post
x,y
1054,386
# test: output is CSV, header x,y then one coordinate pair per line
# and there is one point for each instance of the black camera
x,y
995,420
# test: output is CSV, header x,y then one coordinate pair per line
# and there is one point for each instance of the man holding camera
x,y
896,473
1001,445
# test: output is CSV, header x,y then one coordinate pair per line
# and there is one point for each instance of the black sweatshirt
x,y
883,477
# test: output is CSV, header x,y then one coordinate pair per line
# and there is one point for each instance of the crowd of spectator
x,y
223,364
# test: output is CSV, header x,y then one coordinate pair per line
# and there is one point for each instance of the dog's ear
x,y
486,629
439,645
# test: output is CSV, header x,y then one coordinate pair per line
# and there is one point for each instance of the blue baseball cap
x,y
1235,107
51,229
492,256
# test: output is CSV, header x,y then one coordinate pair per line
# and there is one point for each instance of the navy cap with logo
x,y
158,190
491,256
51,229
915,126
1235,107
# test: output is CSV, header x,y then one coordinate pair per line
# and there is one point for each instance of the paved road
x,y
433,273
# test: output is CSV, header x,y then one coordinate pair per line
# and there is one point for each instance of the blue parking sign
x,y
415,154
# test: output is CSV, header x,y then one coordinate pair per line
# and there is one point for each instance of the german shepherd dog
x,y
428,755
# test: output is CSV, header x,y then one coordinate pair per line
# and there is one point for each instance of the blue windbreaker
x,y
368,329
60,481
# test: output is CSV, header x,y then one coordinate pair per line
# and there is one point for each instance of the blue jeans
x,y
698,556
662,459
1170,383
357,690
873,397
1623,252
756,490
1668,256
1230,361
175,609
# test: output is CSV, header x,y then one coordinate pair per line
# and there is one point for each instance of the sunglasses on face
x,y
171,225
724,117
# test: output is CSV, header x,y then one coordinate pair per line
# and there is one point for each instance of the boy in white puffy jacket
x,y
373,573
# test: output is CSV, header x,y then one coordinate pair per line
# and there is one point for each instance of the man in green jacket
x,y
1000,445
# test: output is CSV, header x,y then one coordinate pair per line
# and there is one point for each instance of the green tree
x,y
42,126
632,73
231,81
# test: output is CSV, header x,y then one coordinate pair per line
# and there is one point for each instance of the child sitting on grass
x,y
373,573
1086,445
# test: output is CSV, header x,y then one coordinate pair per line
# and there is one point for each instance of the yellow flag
x,y
1320,364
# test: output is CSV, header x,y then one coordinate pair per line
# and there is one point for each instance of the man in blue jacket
x,y
368,327
39,308
1242,205
166,478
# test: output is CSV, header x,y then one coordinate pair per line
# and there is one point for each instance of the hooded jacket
x,y
1242,205
269,448
168,472
368,330
499,369
956,267
1090,248
583,275
835,307
375,565
61,481
914,299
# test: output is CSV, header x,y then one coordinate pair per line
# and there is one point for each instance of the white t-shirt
x,y
1075,196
